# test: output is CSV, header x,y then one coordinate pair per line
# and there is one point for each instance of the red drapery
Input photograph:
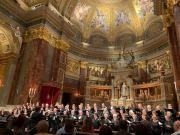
x,y
49,94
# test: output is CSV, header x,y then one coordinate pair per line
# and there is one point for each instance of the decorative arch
x,y
8,42
78,35
98,40
126,39
153,30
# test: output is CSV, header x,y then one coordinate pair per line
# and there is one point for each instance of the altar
x,y
122,94
111,85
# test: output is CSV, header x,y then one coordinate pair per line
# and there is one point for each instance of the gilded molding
x,y
47,35
168,13
84,64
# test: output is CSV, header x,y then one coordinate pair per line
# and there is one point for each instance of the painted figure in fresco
x,y
118,87
81,12
99,21
146,6
122,18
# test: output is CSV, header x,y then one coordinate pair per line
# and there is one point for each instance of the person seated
x,y
67,129
142,129
20,124
3,128
176,127
42,128
178,116
123,127
105,130
87,125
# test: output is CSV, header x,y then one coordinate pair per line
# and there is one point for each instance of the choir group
x,y
24,119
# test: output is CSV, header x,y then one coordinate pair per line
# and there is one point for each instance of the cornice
x,y
112,54
12,10
6,57
47,35
33,17
71,77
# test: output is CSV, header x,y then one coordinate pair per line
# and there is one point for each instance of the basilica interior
x,y
105,51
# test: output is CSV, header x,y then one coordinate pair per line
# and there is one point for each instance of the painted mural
x,y
99,21
81,12
4,44
144,7
122,17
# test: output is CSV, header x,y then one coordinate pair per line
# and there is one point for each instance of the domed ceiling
x,y
108,23
115,22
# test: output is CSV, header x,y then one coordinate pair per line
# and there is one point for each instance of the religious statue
x,y
17,33
121,63
124,90
141,95
131,53
117,89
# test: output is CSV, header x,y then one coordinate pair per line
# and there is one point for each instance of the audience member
x,y
105,130
42,128
177,127
67,129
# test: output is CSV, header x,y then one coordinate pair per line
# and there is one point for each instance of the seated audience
x,y
20,124
67,129
123,127
3,128
42,128
105,130
176,128
87,125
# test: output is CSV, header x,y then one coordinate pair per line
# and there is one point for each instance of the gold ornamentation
x,y
47,35
84,64
168,13
73,67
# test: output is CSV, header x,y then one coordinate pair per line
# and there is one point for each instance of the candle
x,y
30,91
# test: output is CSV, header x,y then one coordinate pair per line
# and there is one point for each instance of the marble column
x,y
163,88
177,51
112,90
82,79
174,38
8,80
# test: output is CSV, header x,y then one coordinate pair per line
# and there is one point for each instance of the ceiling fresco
x,y
111,17
144,7
80,12
122,17
100,21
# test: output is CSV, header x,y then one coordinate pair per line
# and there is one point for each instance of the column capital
x,y
44,33
83,64
168,16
